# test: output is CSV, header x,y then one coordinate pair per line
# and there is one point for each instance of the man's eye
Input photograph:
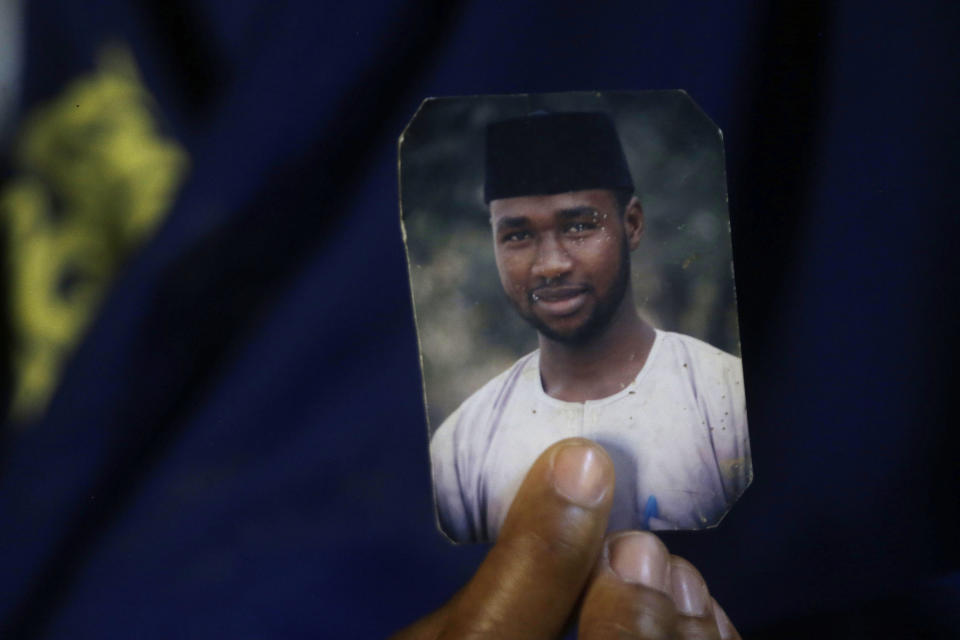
x,y
516,236
580,227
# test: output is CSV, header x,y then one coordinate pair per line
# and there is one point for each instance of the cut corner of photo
x,y
571,273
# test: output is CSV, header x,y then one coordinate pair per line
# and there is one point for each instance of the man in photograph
x,y
668,408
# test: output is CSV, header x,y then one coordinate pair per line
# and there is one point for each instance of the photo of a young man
x,y
669,408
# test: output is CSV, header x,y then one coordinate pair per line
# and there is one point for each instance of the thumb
x,y
530,582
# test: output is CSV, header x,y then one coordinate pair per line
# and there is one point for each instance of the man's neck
x,y
601,367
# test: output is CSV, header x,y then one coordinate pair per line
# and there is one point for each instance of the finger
x,y
695,620
629,596
531,580
727,631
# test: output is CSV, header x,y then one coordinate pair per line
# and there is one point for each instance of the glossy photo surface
x,y
570,265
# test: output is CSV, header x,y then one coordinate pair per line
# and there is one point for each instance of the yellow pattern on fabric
x,y
93,179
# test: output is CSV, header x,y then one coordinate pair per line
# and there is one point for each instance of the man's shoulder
x,y
696,349
484,402
703,364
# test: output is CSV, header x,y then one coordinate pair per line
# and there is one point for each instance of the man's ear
x,y
633,222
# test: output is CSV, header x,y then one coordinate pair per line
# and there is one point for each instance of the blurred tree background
x,y
682,272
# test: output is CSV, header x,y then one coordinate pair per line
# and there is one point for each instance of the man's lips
x,y
556,294
559,300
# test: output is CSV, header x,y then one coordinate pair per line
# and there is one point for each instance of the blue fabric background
x,y
238,448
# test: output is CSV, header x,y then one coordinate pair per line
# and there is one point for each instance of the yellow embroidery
x,y
94,178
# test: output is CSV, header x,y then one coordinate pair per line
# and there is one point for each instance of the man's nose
x,y
552,259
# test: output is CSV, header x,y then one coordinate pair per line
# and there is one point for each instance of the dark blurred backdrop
x,y
223,431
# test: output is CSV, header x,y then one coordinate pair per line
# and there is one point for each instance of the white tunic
x,y
677,435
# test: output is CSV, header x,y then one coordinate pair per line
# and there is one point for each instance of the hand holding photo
x,y
570,266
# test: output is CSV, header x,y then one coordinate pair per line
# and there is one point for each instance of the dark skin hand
x,y
552,565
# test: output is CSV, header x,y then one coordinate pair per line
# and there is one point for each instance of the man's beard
x,y
598,321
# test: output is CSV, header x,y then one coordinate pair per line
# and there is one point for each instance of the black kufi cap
x,y
548,153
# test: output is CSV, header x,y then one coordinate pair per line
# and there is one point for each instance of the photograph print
x,y
571,273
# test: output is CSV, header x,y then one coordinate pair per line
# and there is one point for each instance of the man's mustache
x,y
554,292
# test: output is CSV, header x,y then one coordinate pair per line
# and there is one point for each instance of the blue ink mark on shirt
x,y
650,511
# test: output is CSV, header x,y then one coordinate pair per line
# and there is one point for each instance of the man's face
x,y
564,260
